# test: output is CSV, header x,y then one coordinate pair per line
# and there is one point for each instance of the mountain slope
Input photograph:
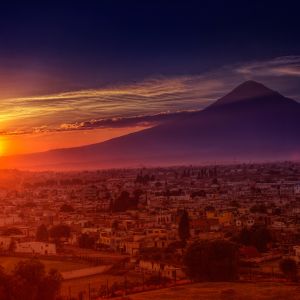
x,y
250,123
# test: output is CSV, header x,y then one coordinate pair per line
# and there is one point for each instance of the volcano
x,y
251,123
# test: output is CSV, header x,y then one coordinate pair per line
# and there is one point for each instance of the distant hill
x,y
251,123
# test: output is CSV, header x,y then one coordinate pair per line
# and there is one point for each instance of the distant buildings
x,y
220,202
40,248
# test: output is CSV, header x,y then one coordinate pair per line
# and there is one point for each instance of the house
x,y
36,248
131,247
297,189
225,218
245,222
164,269
5,242
297,253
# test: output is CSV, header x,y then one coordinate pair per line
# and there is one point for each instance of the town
x,y
120,231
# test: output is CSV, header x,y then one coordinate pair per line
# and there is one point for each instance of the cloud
x,y
281,66
148,98
142,121
144,103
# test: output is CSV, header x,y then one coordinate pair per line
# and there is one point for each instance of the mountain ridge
x,y
252,122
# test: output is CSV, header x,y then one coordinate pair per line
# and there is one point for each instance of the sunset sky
x,y
74,74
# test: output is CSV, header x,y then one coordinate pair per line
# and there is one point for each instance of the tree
x,y
157,280
288,267
125,202
60,231
258,236
184,227
50,285
29,281
212,261
66,208
4,285
244,237
258,208
115,226
86,241
12,231
42,234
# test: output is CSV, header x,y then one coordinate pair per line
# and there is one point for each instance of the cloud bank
x,y
142,103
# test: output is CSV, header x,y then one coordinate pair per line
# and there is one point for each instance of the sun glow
x,y
43,141
2,146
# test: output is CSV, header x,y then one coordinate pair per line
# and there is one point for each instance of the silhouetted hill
x,y
252,122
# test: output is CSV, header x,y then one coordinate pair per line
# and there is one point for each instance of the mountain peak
x,y
252,88
247,90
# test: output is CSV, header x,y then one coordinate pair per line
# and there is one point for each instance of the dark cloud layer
x,y
143,103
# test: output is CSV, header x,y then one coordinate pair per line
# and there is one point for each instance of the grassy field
x,y
224,291
8,263
74,286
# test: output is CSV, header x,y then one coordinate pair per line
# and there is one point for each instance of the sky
x,y
80,73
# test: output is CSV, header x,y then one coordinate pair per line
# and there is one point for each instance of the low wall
x,y
85,272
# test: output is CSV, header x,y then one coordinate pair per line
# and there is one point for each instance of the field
x,y
8,263
224,291
74,286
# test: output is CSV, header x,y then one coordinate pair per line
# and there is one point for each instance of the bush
x,y
42,234
60,231
212,261
288,267
30,281
257,236
157,280
86,241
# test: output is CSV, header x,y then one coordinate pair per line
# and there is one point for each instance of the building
x,y
36,248
5,243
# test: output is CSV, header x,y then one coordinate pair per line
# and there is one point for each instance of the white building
x,y
165,270
297,189
36,248
5,242
297,253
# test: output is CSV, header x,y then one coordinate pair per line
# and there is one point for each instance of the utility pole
x,y
125,283
107,292
175,276
143,281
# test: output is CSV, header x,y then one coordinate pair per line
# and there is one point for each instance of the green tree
x,y
125,202
4,285
66,208
29,281
184,227
86,241
12,231
244,237
50,285
288,267
258,236
60,231
42,234
212,261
